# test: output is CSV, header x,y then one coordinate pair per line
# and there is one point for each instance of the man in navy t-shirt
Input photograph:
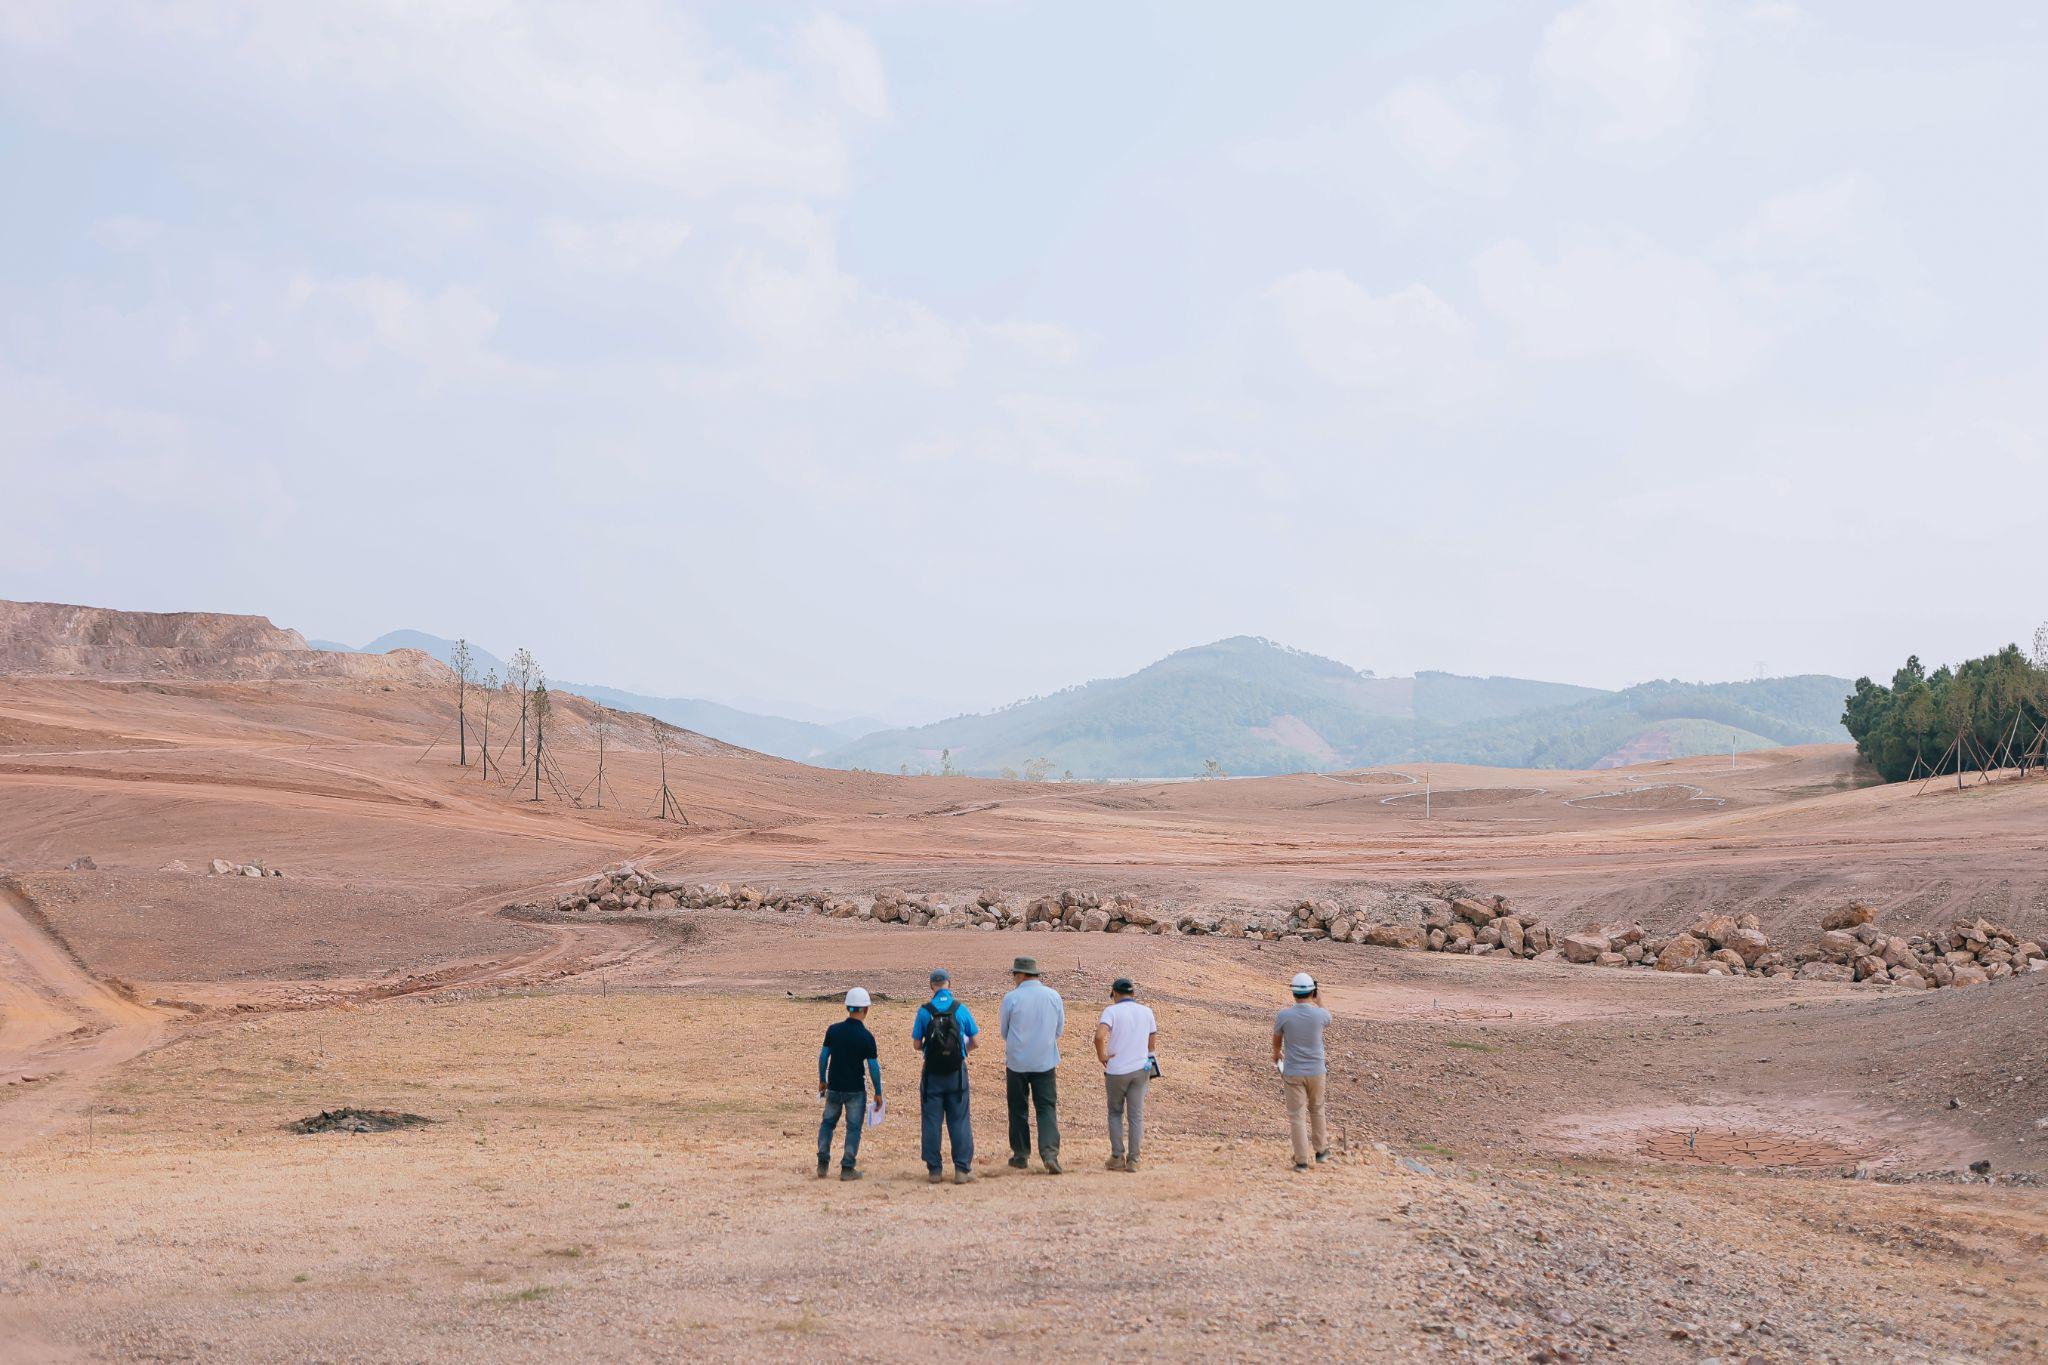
x,y
848,1045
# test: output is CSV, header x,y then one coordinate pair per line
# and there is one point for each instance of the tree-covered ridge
x,y
1987,712
1250,707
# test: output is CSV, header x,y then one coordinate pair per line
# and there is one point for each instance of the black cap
x,y
1123,985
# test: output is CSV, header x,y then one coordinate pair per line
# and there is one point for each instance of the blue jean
x,y
944,1104
852,1103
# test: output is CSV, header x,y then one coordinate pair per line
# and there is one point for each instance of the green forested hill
x,y
1251,706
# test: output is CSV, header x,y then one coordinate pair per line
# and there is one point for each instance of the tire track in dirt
x,y
62,1024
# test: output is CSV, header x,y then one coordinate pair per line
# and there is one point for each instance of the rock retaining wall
x,y
1850,947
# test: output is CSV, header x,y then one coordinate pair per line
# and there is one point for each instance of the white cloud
x,y
1409,347
610,90
1633,64
1820,220
1044,344
814,324
846,56
615,244
1673,313
1450,131
124,232
444,336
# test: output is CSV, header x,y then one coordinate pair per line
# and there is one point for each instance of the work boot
x,y
849,1173
1322,1156
935,1179
963,1177
1052,1164
1115,1163
1131,1164
1020,1162
1300,1167
824,1165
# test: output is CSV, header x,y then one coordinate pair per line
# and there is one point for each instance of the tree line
x,y
1983,714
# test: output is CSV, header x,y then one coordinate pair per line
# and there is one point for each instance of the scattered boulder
x,y
1582,948
1680,954
1472,911
1848,916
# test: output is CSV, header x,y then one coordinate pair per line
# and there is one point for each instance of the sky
x,y
907,358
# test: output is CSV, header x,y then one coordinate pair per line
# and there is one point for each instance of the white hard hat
x,y
857,999
1303,984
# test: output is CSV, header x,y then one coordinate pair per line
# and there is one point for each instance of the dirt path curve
x,y
57,1021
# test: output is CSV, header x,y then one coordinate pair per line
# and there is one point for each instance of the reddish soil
x,y
624,1111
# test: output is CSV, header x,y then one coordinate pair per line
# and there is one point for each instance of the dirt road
x,y
61,1027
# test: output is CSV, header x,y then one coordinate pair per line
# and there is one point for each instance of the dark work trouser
x,y
943,1107
1029,1090
852,1103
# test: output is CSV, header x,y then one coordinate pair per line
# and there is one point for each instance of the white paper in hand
x,y
877,1111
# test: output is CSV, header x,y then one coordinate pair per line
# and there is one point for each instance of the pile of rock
x,y
1713,945
625,887
1851,947
221,867
1970,953
1465,925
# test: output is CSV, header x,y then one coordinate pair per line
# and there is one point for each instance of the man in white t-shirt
x,y
1125,1041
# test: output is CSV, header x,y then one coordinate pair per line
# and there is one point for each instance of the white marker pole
x,y
1425,795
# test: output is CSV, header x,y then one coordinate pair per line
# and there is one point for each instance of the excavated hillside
x,y
57,640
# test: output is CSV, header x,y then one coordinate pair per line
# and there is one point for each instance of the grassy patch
x,y
531,1294
301,1278
1471,1047
1433,1149
567,1253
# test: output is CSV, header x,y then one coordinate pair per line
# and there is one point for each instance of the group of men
x,y
1031,1022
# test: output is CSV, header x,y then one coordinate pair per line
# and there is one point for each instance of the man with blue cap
x,y
945,1032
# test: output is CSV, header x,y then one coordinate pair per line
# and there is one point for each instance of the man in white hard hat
x,y
848,1045
1298,1051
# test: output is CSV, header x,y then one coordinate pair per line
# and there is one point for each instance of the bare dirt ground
x,y
1533,1161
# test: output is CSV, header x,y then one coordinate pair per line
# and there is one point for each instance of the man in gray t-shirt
x,y
1298,1052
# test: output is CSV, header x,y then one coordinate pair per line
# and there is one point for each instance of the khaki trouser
x,y
1305,1120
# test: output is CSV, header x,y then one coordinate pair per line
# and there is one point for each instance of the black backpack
x,y
943,1048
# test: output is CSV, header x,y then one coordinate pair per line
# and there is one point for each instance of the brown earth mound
x,y
52,639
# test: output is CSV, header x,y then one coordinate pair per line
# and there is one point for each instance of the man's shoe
x,y
935,1179
824,1165
849,1173
1300,1167
1022,1163
1131,1164
1052,1164
1115,1163
1322,1156
963,1177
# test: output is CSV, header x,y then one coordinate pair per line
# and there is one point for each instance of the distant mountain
x,y
1256,707
805,741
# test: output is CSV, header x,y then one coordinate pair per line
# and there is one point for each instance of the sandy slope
x,y
620,1162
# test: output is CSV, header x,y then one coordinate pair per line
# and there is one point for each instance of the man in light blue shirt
x,y
1032,1018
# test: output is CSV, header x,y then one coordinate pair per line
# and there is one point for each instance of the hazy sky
x,y
918,357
